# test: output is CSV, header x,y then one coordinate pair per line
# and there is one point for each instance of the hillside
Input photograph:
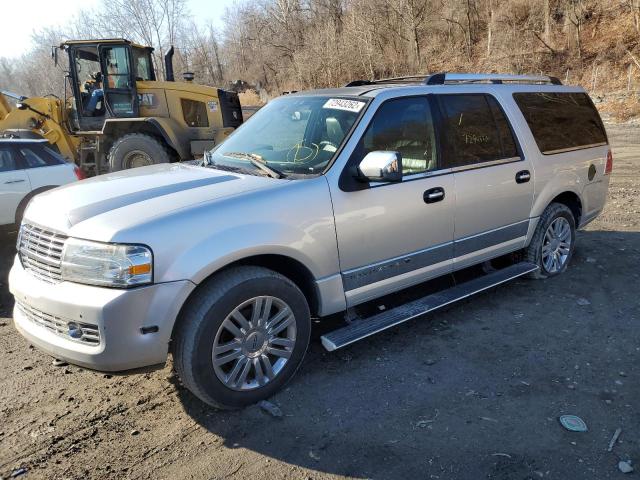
x,y
281,45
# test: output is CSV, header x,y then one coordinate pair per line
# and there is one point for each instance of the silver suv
x,y
322,201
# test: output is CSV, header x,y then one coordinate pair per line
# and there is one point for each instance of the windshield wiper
x,y
258,162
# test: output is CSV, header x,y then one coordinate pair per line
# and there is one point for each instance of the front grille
x,y
40,252
76,331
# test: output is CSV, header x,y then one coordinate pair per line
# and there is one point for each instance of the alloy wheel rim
x,y
137,158
254,343
556,246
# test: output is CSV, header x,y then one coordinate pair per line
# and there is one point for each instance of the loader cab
x,y
103,75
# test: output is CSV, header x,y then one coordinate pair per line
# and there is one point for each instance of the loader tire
x,y
137,150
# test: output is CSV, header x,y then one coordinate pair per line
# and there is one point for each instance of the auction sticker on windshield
x,y
344,104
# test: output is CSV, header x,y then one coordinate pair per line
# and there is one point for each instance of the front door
x,y
14,184
493,179
120,95
393,235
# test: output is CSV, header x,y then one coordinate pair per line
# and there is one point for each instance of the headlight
x,y
106,264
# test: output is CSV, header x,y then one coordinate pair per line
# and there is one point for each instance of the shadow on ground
x,y
474,391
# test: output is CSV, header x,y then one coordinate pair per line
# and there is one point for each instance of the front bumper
x,y
118,315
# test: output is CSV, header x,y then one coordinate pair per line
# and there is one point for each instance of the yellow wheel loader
x,y
116,115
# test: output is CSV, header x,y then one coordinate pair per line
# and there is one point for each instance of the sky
x,y
15,34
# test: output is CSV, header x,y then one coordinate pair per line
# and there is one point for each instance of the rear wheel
x,y
241,337
137,150
553,242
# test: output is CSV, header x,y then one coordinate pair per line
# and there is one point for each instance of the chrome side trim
x,y
361,276
366,275
573,149
480,241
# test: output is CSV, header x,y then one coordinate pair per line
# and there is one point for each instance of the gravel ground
x,y
470,392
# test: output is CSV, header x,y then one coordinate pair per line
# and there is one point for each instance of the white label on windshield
x,y
343,104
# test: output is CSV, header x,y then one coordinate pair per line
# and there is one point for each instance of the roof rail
x,y
442,78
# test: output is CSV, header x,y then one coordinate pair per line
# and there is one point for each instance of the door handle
x,y
523,176
13,181
433,195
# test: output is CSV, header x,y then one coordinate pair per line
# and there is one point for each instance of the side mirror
x,y
381,166
21,106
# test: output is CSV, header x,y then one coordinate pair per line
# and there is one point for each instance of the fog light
x,y
74,330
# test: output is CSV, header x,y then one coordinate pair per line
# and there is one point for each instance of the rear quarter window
x,y
561,121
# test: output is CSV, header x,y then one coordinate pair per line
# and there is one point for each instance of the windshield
x,y
290,135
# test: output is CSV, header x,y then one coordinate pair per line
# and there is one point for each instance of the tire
x,y
200,328
562,215
137,150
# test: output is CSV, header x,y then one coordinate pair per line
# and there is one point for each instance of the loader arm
x,y
5,106
42,117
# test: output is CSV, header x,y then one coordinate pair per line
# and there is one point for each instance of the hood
x,y
98,207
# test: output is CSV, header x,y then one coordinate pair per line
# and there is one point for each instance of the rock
x,y
622,374
591,260
59,363
135,432
22,471
271,408
625,466
583,302
430,361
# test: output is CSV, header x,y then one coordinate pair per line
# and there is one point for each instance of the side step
x,y
366,327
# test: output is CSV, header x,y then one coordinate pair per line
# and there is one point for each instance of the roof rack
x,y
443,78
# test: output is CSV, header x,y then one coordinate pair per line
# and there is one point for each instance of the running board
x,y
366,327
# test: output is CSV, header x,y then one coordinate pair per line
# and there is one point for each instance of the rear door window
x,y
475,130
36,156
561,121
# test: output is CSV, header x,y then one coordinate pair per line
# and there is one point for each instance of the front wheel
x,y
553,242
241,337
137,150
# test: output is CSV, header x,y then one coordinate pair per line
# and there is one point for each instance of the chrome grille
x,y
76,331
40,252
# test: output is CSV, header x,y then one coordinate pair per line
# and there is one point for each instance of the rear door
x,y
44,167
493,179
14,184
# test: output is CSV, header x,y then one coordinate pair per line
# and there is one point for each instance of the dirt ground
x,y
471,392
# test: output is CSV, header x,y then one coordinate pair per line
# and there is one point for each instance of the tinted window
x,y
195,113
403,125
37,157
475,130
561,121
7,160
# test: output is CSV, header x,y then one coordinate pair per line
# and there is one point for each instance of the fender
x,y
560,182
166,128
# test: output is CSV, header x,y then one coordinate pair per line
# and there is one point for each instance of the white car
x,y
29,167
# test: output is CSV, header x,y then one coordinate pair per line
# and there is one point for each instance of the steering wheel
x,y
300,153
